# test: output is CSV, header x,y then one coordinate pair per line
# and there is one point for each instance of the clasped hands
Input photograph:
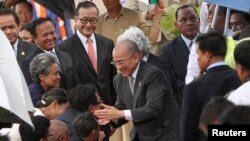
x,y
108,113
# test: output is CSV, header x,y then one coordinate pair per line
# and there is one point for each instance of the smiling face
x,y
10,28
46,35
24,13
187,22
125,61
88,28
52,79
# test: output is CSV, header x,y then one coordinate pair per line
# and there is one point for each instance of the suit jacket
x,y
154,110
176,52
217,81
171,81
85,73
36,92
66,66
23,50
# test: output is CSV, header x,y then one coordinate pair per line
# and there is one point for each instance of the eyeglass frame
x,y
122,62
88,20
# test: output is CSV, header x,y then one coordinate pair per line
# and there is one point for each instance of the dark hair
x,y
242,54
82,96
184,7
84,124
55,94
86,5
245,15
213,109
7,11
26,27
236,115
24,2
212,42
37,22
41,129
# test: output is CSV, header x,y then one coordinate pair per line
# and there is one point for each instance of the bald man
x,y
58,130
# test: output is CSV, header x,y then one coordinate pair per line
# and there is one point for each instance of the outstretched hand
x,y
108,113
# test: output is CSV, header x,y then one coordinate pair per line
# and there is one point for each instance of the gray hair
x,y
41,64
136,35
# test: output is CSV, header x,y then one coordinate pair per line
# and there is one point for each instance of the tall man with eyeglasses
x,y
91,53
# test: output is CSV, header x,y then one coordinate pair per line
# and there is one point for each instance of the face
x,y
24,14
203,60
25,36
124,61
51,80
241,73
9,27
238,22
55,109
187,22
88,28
46,36
220,19
111,4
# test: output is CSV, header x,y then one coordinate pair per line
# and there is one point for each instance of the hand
x,y
150,14
103,122
109,113
101,136
159,9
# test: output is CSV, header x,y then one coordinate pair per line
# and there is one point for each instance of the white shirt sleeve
x,y
128,115
193,70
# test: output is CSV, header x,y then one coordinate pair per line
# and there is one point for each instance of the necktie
x,y
15,51
190,45
91,54
131,84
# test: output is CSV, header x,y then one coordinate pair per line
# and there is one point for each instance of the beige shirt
x,y
112,28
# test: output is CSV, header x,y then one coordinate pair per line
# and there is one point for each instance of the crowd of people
x,y
122,67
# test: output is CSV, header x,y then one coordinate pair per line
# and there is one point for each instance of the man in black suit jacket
x,y
177,51
9,23
147,103
43,31
218,80
77,46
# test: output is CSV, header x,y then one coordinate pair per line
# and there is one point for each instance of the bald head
x,y
58,129
127,46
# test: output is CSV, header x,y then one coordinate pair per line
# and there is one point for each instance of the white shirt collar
x,y
186,40
15,45
222,63
84,41
136,71
53,50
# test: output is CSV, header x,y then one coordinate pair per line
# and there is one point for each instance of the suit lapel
x,y
100,53
79,48
182,49
20,52
138,83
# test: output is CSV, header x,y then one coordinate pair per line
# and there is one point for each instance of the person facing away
x,y
242,58
218,80
212,111
142,97
9,24
58,131
86,127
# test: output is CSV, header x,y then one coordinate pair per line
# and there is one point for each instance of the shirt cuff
x,y
127,114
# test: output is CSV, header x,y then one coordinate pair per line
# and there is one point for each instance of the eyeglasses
x,y
85,20
121,62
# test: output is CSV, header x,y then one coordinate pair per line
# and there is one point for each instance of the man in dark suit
x,y
177,51
218,80
44,34
9,23
91,53
142,97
